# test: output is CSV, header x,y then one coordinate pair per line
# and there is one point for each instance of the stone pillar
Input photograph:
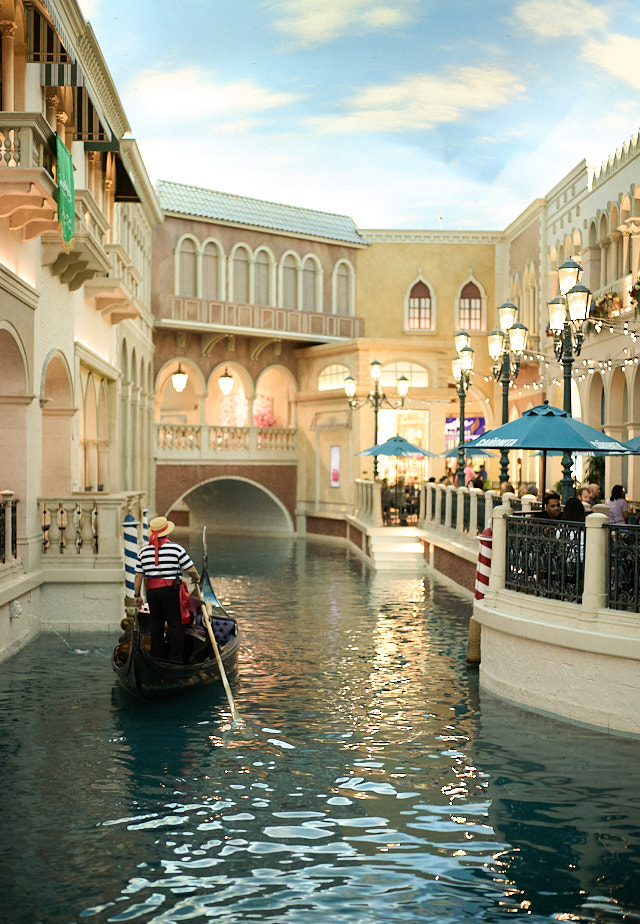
x,y
473,511
491,500
604,250
499,549
8,30
596,560
450,488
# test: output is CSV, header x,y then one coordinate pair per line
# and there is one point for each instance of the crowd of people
x,y
576,508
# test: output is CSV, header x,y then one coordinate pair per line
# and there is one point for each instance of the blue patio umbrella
x,y
396,446
401,448
469,450
549,428
633,445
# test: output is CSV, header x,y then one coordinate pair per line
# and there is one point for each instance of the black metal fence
x,y
466,512
545,557
454,508
624,568
481,508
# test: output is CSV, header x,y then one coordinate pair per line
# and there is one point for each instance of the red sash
x,y
153,583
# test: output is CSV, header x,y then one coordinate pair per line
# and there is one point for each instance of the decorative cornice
x,y
623,156
432,237
18,288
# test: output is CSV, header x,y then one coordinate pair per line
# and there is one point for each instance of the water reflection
x,y
563,799
368,778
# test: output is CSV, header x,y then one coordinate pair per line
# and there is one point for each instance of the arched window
x,y
343,289
241,275
332,377
417,375
470,308
210,271
188,269
261,274
310,285
289,282
419,315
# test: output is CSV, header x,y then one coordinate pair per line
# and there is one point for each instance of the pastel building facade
x,y
76,329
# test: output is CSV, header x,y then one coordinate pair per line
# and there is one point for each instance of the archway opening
x,y
233,505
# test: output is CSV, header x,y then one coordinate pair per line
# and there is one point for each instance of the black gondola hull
x,y
149,678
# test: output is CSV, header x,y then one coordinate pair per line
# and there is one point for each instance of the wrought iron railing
x,y
624,568
545,557
481,508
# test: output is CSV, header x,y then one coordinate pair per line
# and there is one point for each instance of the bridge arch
x,y
233,504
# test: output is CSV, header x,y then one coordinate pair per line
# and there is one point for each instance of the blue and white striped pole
x,y
130,525
145,525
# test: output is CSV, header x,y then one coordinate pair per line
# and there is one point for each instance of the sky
x,y
403,114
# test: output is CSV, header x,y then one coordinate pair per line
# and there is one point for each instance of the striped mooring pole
x,y
145,525
130,526
483,574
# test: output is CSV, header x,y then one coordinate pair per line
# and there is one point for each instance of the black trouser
x,y
164,606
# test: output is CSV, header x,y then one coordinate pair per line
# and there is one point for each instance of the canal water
x,y
369,781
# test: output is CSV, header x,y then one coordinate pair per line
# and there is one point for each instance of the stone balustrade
x,y
208,443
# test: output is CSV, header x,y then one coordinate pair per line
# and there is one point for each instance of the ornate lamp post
x,y
567,315
461,367
376,398
506,347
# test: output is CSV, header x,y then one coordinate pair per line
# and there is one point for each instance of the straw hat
x,y
161,526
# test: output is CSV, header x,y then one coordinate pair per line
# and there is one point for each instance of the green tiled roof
x,y
207,203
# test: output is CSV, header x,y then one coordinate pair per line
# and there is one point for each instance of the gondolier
x,y
161,563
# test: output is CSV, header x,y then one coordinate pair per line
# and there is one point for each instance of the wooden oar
x,y
206,616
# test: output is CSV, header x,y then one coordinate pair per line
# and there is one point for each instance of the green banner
x,y
66,193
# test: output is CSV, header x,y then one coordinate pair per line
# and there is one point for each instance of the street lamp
x,y
461,367
376,398
506,347
567,315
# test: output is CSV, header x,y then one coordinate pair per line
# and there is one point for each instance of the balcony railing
x,y
234,317
27,187
206,443
86,527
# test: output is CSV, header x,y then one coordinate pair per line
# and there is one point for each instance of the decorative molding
x,y
432,237
18,288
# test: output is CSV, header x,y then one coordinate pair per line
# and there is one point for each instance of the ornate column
x,y
604,250
8,31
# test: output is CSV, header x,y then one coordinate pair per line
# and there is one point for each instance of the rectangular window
x,y
419,316
470,315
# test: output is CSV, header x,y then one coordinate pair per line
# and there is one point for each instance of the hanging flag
x,y
66,192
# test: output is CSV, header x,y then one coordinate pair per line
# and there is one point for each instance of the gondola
x,y
150,678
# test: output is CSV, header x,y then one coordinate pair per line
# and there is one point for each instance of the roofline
x,y
252,227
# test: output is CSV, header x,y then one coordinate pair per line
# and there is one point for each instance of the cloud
x,y
90,8
567,20
194,95
614,54
422,101
307,22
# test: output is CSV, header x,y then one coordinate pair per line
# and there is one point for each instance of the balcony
x,y
180,312
116,296
27,187
88,256
205,443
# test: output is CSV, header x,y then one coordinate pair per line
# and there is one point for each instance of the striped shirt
x,y
172,559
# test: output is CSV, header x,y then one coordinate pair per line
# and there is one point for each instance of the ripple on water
x,y
368,782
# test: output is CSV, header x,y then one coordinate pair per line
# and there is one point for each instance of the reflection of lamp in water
x,y
226,382
179,379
